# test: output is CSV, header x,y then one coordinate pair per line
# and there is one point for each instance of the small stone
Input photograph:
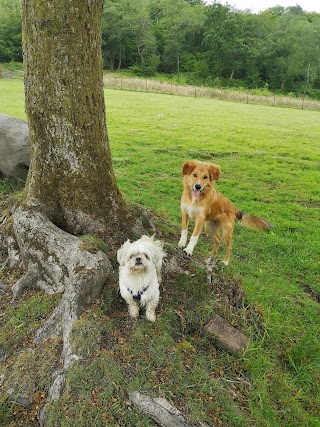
x,y
3,354
20,399
4,288
227,337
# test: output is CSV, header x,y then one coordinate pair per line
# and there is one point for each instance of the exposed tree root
x,y
56,263
160,410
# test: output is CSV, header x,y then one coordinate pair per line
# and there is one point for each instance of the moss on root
x,y
93,244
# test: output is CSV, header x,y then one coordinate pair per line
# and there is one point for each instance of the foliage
x,y
10,31
148,68
12,66
207,42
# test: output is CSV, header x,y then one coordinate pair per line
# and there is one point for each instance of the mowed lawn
x,y
270,160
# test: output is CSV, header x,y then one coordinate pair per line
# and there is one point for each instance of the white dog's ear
x,y
152,240
157,254
156,248
121,254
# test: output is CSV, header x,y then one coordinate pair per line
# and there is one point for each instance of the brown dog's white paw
x,y
183,239
188,251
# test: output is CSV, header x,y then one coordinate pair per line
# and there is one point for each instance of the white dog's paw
x,y
151,316
225,262
134,311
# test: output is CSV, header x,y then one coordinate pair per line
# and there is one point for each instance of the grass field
x,y
270,159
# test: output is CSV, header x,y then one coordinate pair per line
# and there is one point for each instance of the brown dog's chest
x,y
193,210
212,206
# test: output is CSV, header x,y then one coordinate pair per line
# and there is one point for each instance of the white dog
x,y
140,274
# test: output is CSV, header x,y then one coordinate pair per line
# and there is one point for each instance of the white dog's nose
x,y
138,260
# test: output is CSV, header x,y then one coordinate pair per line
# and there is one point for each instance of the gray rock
x,y
3,356
227,337
19,398
4,288
14,147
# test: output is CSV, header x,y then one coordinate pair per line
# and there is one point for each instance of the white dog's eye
x,y
147,257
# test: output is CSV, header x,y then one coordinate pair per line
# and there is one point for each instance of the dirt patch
x,y
312,293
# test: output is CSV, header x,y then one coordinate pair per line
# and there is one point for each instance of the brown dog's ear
x,y
214,171
188,167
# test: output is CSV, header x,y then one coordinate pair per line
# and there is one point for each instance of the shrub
x,y
148,68
12,66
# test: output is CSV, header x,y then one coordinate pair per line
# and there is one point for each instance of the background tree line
x,y
214,45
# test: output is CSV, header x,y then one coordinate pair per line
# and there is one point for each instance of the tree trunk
x,y
71,188
120,57
70,172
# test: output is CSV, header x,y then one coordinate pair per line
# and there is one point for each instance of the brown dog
x,y
203,204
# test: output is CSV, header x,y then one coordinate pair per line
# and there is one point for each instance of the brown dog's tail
x,y
253,222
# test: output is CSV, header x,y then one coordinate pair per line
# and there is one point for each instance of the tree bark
x,y
70,172
71,187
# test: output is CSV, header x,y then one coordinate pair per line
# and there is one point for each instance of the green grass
x,y
270,167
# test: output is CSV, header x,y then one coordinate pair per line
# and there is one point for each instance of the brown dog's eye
x,y
205,177
195,175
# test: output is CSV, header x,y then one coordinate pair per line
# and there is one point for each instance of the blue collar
x,y
139,294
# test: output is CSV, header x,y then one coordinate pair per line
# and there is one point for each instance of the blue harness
x,y
139,294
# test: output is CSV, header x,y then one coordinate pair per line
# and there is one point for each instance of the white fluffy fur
x,y
140,267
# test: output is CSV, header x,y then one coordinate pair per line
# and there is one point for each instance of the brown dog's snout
x,y
198,187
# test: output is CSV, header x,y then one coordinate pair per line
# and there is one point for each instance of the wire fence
x,y
11,74
154,86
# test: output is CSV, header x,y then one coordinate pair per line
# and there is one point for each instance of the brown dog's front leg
x,y
195,235
184,229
